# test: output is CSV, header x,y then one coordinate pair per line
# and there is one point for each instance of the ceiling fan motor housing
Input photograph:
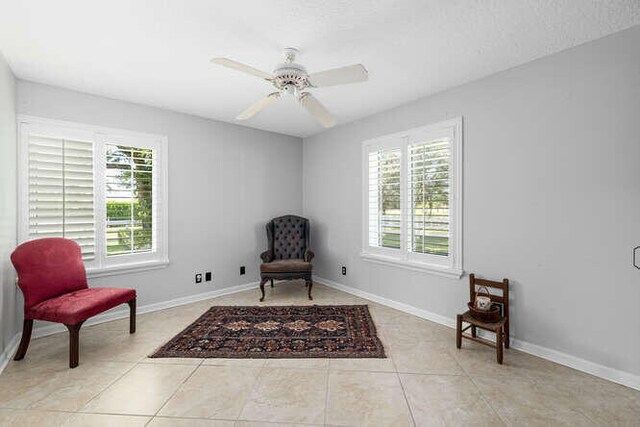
x,y
290,77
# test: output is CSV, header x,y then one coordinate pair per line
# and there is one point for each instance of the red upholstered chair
x,y
53,281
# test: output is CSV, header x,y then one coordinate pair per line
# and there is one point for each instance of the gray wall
x,y
225,183
7,203
551,199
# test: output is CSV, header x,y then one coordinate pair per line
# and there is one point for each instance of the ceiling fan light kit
x,y
292,79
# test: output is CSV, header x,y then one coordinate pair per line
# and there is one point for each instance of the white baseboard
x,y
424,314
621,377
55,328
9,351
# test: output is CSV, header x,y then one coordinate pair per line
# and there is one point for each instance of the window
x,y
103,188
412,199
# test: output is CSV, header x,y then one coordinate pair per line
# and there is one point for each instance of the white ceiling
x,y
157,52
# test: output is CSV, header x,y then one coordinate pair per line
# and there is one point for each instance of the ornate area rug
x,y
335,331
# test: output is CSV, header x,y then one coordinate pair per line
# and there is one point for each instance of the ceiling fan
x,y
293,79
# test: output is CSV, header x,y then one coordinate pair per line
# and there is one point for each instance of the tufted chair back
x,y
288,237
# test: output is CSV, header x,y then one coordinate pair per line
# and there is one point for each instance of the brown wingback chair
x,y
288,256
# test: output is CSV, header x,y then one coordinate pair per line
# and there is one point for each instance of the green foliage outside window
x,y
130,200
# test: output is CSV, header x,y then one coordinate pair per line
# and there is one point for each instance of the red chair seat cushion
x,y
77,306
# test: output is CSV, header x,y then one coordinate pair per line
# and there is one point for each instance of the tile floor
x,y
424,381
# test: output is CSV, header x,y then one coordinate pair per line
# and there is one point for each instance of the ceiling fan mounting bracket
x,y
290,54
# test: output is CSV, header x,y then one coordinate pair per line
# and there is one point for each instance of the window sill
x,y
114,270
453,273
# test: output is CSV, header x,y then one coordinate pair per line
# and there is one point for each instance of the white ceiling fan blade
x,y
339,76
255,108
317,110
225,62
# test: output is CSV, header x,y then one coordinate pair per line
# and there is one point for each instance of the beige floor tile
x,y
414,329
556,419
189,422
525,399
370,365
366,399
117,346
142,391
518,399
288,395
212,392
44,355
265,424
172,361
20,418
19,389
480,361
425,358
71,389
61,388
386,315
447,400
252,363
101,420
606,403
298,363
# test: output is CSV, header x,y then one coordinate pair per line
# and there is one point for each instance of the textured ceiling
x,y
157,52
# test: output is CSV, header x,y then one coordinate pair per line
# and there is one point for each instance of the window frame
x,y
448,266
100,136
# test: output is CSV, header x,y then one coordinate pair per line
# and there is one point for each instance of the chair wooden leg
x,y
262,282
27,327
74,344
499,344
459,331
132,315
310,283
473,331
271,282
506,334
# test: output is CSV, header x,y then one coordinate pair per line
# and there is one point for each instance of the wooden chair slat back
x,y
503,299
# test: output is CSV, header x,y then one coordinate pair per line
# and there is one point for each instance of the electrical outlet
x,y
198,277
344,270
242,270
207,276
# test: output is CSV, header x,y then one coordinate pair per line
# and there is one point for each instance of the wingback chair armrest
x,y
308,255
267,256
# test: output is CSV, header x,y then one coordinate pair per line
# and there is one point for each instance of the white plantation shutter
x,y
428,199
61,191
384,198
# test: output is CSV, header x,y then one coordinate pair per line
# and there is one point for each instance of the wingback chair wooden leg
x,y
27,327
271,282
132,315
262,282
310,284
74,344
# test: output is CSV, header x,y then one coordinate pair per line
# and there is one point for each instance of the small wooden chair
x,y
500,328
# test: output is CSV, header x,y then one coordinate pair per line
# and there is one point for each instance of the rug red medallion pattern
x,y
334,331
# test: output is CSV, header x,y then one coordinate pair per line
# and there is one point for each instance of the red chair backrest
x,y
48,268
